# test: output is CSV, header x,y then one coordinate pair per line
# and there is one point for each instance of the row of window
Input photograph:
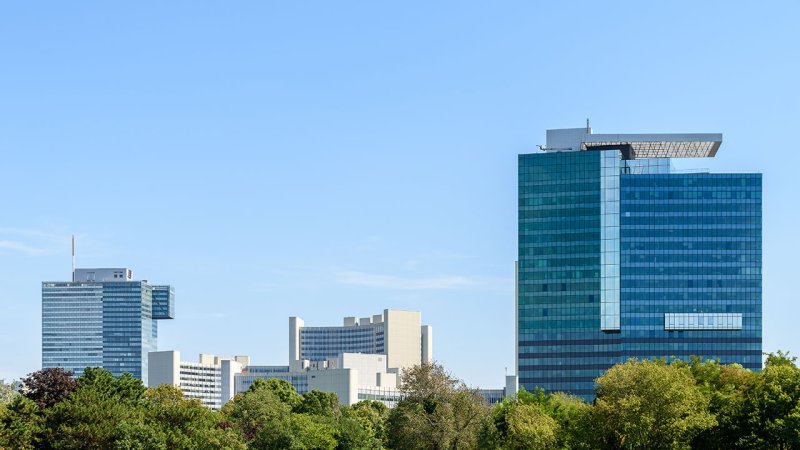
x,y
689,194
699,180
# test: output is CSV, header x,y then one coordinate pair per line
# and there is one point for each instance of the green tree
x,y
281,388
538,420
572,415
530,428
437,412
649,404
183,423
102,410
21,425
261,417
319,403
372,417
353,434
267,422
574,418
780,358
307,432
48,387
727,387
90,419
139,436
125,387
773,407
8,392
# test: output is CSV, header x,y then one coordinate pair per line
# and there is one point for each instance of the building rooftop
x,y
634,146
103,274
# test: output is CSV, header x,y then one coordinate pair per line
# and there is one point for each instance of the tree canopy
x,y
438,411
640,404
8,392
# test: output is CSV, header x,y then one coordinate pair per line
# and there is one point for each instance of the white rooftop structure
x,y
634,146
102,275
395,333
209,380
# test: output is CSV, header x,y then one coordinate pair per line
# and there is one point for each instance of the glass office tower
x,y
621,257
103,318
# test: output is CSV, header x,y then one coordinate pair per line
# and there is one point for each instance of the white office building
x,y
209,380
360,360
353,377
397,334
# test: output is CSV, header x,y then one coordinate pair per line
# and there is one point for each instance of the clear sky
x,y
324,159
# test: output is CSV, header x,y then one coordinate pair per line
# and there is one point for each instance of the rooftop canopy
x,y
634,146
658,145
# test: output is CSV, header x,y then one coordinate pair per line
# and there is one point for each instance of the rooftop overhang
x,y
636,146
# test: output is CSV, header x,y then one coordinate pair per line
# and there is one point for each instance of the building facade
x,y
208,380
353,377
621,256
397,334
103,318
361,360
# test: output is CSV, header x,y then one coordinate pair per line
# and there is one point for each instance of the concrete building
x,y
493,396
397,334
361,360
351,376
209,380
103,318
622,256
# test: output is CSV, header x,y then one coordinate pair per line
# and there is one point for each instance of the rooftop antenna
x,y
73,258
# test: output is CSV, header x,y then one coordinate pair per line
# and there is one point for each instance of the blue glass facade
x,y
163,302
691,243
98,324
621,259
323,343
72,325
129,331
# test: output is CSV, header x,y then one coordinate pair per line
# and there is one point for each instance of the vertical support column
x,y
609,241
295,324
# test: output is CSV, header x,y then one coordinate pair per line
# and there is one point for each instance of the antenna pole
x,y
73,258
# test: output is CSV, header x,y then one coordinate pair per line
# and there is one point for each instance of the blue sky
x,y
324,159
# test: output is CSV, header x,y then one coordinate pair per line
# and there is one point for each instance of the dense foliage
x,y
640,405
7,392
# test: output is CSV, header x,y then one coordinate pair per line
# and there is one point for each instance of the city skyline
x,y
283,162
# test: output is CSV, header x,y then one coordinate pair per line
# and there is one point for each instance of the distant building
x,y
209,380
620,256
103,318
397,334
353,377
361,360
493,396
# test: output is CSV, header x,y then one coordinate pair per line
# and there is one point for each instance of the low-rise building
x,y
208,380
360,360
351,376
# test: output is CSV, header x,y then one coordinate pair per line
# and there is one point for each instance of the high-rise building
x,y
621,256
397,334
102,318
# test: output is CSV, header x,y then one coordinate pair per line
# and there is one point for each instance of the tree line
x,y
646,404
